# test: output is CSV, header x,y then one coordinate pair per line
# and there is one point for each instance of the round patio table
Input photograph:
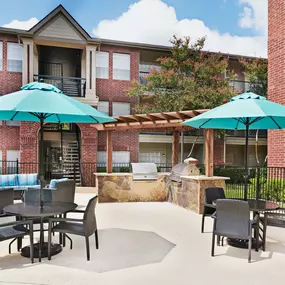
x,y
34,211
256,206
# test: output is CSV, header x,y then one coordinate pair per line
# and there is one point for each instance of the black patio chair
x,y
83,227
232,220
6,198
272,219
10,231
211,194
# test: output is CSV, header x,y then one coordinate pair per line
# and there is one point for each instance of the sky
x,y
230,26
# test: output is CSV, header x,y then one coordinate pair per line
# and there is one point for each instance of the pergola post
x,y
175,147
109,152
209,152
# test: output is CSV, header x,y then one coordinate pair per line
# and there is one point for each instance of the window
x,y
122,157
1,55
13,123
121,109
14,55
103,106
121,66
12,166
102,65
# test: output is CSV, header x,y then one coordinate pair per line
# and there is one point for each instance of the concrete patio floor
x,y
148,243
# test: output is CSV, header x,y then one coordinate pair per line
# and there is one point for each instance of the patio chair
x,y
273,219
6,198
82,227
10,231
211,194
232,220
65,191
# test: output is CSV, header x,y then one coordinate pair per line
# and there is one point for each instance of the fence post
x,y
258,183
17,166
74,171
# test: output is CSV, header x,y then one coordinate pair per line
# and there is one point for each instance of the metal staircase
x,y
71,156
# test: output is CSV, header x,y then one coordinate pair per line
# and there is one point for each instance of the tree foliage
x,y
188,79
256,74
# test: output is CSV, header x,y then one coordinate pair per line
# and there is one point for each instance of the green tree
x,y
256,73
188,79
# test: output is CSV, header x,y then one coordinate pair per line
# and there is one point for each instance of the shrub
x,y
272,189
235,174
125,169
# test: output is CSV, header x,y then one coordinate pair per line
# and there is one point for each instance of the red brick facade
x,y
276,78
115,91
9,82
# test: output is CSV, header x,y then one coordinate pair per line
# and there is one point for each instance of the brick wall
x,y
122,141
9,82
219,151
116,91
276,78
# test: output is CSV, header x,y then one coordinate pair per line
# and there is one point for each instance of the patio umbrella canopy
x,y
44,103
247,111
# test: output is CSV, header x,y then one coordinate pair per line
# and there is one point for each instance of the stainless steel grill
x,y
183,169
144,171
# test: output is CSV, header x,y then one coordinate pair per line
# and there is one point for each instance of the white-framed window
x,y
13,123
14,57
12,166
121,109
13,155
1,55
121,66
103,106
102,64
118,157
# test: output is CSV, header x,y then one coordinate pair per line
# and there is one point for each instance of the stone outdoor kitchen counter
x,y
120,187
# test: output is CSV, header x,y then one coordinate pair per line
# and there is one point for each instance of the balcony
x,y
71,86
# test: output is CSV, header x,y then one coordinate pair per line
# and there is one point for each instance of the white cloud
x,y
22,25
154,22
255,15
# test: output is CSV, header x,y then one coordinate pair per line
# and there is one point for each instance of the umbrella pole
x,y
246,162
41,160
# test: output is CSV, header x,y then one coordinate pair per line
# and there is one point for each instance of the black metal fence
x,y
81,172
265,183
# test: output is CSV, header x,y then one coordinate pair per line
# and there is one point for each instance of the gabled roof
x,y
54,13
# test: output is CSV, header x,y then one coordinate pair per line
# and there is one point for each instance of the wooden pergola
x,y
151,121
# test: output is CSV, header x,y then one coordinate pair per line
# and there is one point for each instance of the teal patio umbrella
x,y
247,111
44,103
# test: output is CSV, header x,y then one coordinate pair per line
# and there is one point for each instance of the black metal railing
x,y
266,182
127,167
238,86
252,133
71,86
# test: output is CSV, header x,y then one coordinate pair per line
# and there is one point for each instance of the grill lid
x,y
183,169
144,171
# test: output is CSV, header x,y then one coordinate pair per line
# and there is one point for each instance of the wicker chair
x,y
6,198
11,231
211,194
83,227
232,220
273,219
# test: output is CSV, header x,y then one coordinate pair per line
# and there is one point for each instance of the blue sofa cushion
x,y
28,179
8,180
53,182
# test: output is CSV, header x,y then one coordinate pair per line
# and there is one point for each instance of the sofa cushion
x,y
53,182
8,180
28,179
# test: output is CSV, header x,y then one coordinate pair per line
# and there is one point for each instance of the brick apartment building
x,y
276,78
97,72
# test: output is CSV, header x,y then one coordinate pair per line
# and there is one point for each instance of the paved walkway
x,y
148,243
